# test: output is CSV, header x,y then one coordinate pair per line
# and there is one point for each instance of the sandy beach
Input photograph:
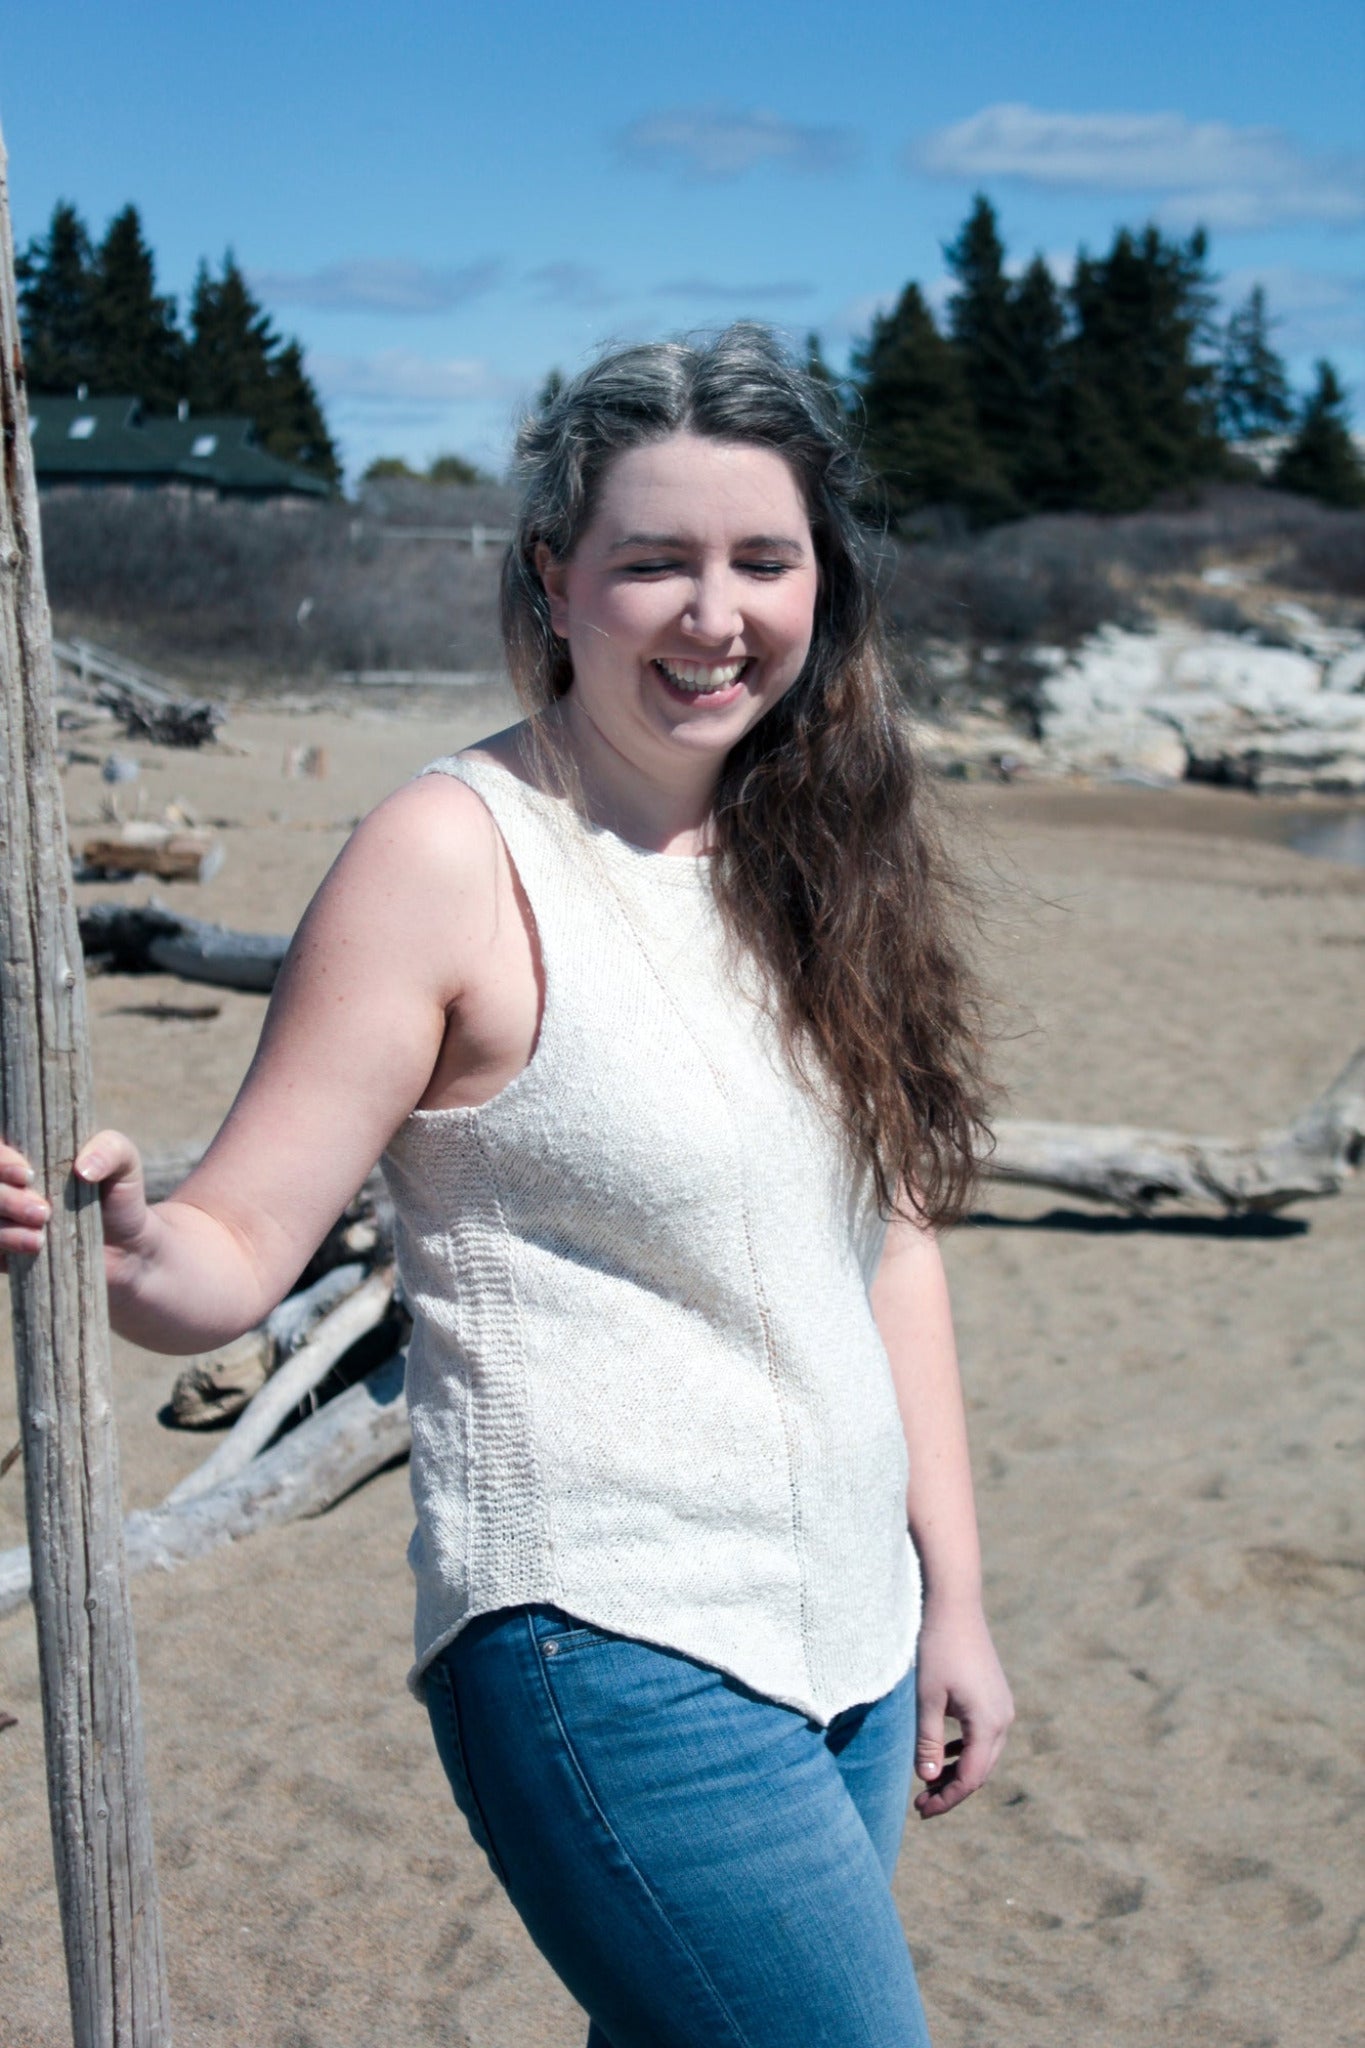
x,y
1166,1435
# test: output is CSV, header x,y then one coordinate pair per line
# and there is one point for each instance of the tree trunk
x,y
101,1825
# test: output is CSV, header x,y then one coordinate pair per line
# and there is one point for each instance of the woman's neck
x,y
666,812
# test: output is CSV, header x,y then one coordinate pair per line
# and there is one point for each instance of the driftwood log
x,y
147,706
355,1316
219,1386
92,1727
171,853
327,1456
1142,1171
150,939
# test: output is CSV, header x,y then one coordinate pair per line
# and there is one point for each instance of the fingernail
x,y
87,1168
928,1770
30,1175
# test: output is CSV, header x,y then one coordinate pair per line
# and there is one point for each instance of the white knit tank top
x,y
644,1377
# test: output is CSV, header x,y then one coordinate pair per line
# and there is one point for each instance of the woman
x,y
651,1005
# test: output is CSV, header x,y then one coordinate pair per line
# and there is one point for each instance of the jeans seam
x,y
645,1885
462,1752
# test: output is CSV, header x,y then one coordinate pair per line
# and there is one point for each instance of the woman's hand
x,y
957,1674
109,1161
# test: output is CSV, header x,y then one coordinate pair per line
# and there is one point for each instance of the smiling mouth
x,y
703,679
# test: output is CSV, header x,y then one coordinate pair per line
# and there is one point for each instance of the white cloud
x,y
569,284
1226,177
379,284
399,377
712,290
716,142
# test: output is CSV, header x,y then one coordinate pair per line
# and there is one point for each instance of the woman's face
x,y
688,603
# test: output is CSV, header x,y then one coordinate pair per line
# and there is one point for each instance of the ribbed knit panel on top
x,y
645,1381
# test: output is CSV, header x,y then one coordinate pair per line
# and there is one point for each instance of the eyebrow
x,y
770,543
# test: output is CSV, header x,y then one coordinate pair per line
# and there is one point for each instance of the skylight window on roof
x,y
81,428
203,445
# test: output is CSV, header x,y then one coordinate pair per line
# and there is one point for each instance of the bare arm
x,y
958,1672
349,1043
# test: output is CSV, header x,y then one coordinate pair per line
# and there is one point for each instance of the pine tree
x,y
138,346
1139,398
1322,460
983,329
239,364
56,279
295,428
232,345
1253,389
1038,322
920,436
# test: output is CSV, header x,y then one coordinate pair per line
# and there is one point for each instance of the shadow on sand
x,y
1090,1223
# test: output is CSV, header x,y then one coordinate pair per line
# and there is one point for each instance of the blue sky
x,y
443,201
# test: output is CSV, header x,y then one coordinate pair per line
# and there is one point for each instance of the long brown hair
x,y
829,867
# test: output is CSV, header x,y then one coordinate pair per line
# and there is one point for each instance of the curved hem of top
x,y
416,1676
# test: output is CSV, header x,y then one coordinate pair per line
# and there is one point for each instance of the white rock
x,y
1257,678
1347,672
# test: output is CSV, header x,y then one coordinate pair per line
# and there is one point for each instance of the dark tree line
x,y
92,316
1100,396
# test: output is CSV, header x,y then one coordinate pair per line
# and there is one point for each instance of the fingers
x,y
929,1740
23,1211
969,1764
109,1160
108,1156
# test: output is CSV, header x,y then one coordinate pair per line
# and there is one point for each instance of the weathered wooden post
x,y
101,1827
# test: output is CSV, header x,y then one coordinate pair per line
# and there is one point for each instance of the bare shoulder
x,y
413,887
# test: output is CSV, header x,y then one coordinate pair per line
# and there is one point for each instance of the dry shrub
x,y
289,587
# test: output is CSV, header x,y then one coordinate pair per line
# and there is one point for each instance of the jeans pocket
x,y
444,1711
558,1634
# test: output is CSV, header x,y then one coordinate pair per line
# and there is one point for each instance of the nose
x,y
712,611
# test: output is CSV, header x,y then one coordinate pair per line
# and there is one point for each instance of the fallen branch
x,y
327,1456
150,939
361,1311
148,707
218,1386
1141,1171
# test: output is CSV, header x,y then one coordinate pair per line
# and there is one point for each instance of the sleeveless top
x,y
644,1377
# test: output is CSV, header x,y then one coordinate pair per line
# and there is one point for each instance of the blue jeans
x,y
701,1867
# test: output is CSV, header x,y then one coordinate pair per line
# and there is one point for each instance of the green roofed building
x,y
111,441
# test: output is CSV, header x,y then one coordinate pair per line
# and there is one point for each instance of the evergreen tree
x,y
1038,322
1322,461
920,436
981,321
232,345
1253,389
239,364
1139,398
295,428
138,346
56,280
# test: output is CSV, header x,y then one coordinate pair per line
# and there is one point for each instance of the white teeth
x,y
698,677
